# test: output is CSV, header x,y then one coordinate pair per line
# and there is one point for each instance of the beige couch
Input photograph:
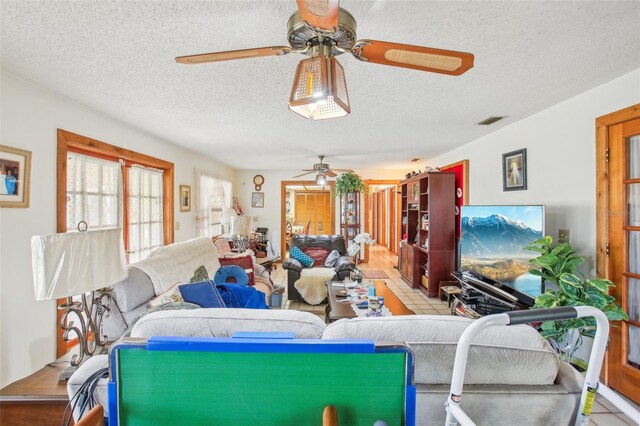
x,y
513,376
165,267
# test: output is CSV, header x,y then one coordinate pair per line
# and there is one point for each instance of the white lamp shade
x,y
241,225
74,263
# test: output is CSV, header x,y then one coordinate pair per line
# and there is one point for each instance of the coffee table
x,y
337,310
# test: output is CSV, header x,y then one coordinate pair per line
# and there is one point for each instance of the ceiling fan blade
x,y
330,173
234,54
342,170
303,174
414,57
321,14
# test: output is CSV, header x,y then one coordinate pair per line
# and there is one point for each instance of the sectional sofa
x,y
513,375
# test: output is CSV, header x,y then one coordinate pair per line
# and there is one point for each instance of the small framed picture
x,y
15,177
257,199
514,170
185,198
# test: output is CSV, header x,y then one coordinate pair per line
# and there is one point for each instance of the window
x,y
213,197
145,211
94,192
108,186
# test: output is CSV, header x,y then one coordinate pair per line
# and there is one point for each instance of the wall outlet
x,y
564,236
177,226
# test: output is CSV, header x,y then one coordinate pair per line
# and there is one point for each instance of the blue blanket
x,y
236,296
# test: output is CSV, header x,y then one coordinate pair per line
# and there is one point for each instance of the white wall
x,y
30,117
560,143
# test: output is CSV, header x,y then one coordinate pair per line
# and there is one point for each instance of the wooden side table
x,y
449,291
38,399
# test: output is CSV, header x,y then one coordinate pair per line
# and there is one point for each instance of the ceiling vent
x,y
489,121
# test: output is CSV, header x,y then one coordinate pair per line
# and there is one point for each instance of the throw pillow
x,y
204,294
245,262
318,254
331,259
200,275
226,273
299,255
171,295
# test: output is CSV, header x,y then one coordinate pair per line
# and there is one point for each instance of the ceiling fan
x,y
323,170
322,30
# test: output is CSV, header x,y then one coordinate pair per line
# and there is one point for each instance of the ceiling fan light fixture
x,y
319,89
321,179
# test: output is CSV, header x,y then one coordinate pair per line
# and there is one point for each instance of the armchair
x,y
343,266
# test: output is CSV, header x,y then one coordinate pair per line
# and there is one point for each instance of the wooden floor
x,y
382,260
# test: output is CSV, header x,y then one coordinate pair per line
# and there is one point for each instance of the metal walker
x,y
455,413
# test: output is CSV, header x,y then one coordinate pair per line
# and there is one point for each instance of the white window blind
x,y
145,212
212,198
94,192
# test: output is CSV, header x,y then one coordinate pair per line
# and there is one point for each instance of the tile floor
x,y
604,413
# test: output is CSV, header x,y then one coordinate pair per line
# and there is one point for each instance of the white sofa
x,y
165,267
513,375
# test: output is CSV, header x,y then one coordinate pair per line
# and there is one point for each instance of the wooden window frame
x,y
68,141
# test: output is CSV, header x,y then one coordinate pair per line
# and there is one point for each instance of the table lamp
x,y
79,263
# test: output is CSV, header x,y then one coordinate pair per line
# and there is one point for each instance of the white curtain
x,y
94,192
212,197
145,211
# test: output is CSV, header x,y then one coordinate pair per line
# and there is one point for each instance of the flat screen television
x,y
492,240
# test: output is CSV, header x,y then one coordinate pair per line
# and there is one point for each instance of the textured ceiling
x,y
118,56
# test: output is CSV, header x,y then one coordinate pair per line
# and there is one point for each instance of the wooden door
x,y
393,231
314,208
618,206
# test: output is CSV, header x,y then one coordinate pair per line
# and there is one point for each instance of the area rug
x,y
374,274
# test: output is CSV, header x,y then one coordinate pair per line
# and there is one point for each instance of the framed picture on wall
x,y
15,177
514,170
185,198
257,199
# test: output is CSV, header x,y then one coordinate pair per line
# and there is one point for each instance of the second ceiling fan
x,y
322,170
322,30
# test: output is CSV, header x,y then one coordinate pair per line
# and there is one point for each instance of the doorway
x,y
306,209
618,240
381,214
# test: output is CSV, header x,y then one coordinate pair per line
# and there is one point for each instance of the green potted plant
x,y
558,263
348,182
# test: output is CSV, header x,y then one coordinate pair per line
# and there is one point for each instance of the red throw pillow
x,y
245,262
318,254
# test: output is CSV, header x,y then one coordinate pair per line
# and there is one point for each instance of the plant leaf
x,y
573,263
614,313
569,289
547,259
597,300
601,284
535,272
557,250
571,279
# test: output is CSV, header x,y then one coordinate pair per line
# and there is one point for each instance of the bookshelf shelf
x,y
434,195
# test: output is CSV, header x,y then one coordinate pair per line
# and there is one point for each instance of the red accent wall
x,y
458,170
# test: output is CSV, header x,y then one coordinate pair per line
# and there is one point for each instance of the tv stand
x,y
483,296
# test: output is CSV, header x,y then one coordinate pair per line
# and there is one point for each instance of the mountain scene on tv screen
x,y
493,246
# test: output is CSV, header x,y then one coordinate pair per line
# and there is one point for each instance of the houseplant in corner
x,y
558,263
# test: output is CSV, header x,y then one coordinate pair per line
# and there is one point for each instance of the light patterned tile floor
x,y
604,413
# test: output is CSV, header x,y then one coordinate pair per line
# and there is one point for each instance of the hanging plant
x,y
348,182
